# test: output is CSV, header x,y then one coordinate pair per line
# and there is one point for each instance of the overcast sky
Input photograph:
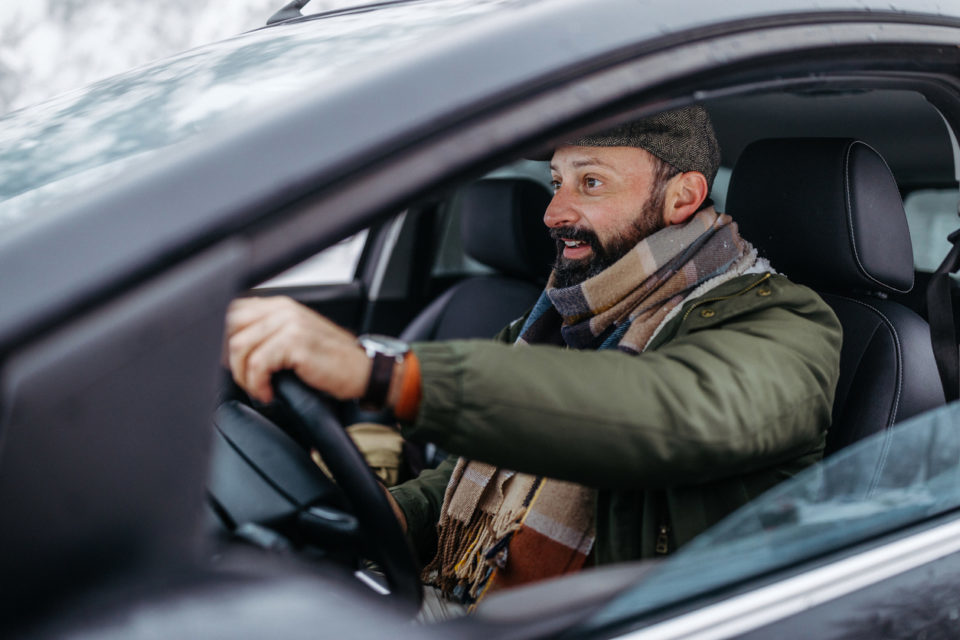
x,y
51,46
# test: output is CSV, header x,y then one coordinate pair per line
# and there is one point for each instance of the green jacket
x,y
731,397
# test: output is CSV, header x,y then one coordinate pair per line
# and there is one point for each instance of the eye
x,y
555,185
592,183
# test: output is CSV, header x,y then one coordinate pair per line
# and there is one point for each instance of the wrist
x,y
396,382
386,356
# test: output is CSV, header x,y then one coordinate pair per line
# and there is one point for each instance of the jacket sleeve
x,y
741,388
420,499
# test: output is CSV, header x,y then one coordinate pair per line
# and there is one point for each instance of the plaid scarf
x,y
499,528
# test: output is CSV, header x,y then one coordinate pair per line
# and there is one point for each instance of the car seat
x,y
501,223
827,213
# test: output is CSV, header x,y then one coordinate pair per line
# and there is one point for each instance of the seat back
x,y
827,213
502,228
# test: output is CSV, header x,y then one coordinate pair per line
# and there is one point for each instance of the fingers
x,y
244,312
259,342
256,353
267,335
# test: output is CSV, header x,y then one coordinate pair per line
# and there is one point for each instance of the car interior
x,y
823,198
848,188
816,179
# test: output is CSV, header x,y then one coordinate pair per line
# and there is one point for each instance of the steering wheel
x,y
264,487
378,525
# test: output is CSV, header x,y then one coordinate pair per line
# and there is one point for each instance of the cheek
x,y
605,220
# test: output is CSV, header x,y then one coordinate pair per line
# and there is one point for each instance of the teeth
x,y
572,243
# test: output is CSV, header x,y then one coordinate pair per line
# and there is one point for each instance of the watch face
x,y
383,344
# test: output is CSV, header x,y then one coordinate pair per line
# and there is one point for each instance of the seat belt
x,y
943,333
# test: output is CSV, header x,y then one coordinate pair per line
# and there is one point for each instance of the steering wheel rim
x,y
378,523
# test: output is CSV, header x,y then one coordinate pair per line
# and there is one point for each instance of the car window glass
x,y
931,216
720,186
895,478
333,265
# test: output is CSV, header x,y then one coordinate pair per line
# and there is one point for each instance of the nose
x,y
560,212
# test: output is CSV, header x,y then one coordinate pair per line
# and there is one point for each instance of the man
x,y
666,376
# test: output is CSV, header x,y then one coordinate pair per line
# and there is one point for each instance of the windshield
x,y
62,147
890,480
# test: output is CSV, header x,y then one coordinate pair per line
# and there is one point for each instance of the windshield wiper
x,y
289,11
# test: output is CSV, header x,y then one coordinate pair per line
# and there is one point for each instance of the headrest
x,y
826,212
502,226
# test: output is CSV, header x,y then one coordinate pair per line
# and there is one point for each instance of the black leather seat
x,y
501,222
827,213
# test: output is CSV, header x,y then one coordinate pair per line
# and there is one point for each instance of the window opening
x,y
333,265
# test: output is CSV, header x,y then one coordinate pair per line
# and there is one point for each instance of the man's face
x,y
601,208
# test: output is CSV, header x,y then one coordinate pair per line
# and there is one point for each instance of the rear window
x,y
931,216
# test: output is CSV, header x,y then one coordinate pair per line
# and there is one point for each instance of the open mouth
x,y
574,243
576,249
573,237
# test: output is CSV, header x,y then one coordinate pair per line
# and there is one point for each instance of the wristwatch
x,y
385,352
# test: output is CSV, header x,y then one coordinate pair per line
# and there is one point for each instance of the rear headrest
x,y
502,226
825,211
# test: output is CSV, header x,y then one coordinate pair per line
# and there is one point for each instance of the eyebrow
x,y
586,162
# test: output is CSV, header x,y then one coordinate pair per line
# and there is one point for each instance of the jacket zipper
x,y
765,277
662,543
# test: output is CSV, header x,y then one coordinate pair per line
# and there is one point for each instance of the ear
x,y
685,193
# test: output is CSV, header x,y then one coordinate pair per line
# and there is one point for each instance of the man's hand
x,y
267,335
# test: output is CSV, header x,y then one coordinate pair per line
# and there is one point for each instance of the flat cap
x,y
683,138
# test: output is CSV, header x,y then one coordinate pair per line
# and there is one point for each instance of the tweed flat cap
x,y
683,138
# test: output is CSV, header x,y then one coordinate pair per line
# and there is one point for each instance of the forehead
x,y
625,160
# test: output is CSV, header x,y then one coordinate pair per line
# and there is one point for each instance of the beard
x,y
567,272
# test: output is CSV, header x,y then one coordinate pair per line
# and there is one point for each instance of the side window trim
x,y
383,256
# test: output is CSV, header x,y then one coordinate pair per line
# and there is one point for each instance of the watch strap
x,y
380,375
